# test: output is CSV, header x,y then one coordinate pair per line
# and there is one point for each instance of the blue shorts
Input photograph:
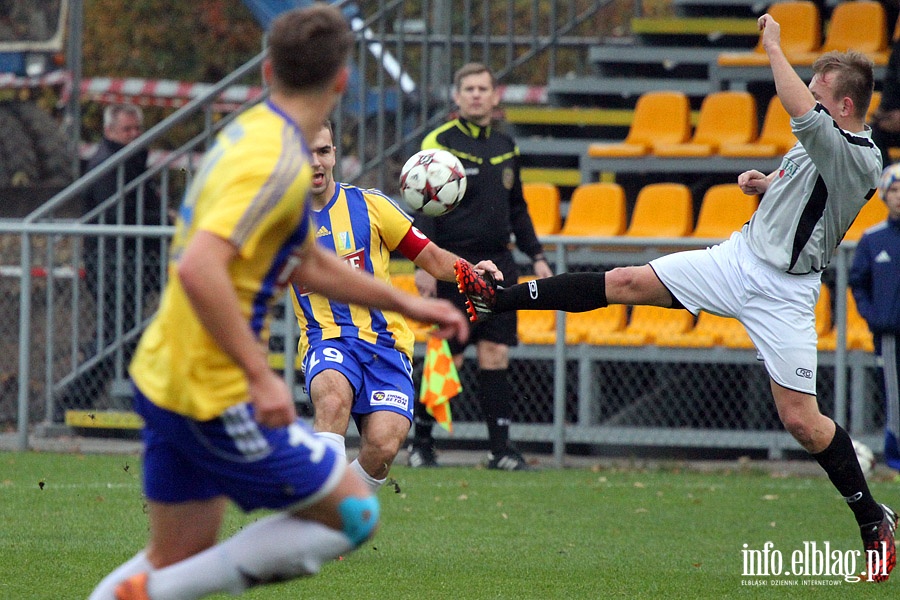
x,y
381,377
232,455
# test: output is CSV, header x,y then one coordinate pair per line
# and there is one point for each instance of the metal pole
x,y
559,374
840,351
24,341
441,64
73,60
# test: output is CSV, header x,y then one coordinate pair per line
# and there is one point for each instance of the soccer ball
x,y
865,456
432,182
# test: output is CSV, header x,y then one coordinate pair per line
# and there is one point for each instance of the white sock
x,y
276,548
335,440
374,484
106,589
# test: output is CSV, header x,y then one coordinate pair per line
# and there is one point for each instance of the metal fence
x,y
566,394
82,288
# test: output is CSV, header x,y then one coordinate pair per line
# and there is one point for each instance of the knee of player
x,y
384,450
359,517
797,426
635,285
620,279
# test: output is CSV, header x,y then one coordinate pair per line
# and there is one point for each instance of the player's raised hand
x,y
771,30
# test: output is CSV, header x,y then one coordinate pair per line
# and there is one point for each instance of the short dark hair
x,y
472,68
853,77
327,125
308,46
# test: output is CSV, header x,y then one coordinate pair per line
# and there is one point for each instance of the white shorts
x,y
777,309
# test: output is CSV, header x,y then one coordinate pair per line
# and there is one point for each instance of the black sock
x,y
570,292
840,463
423,423
495,393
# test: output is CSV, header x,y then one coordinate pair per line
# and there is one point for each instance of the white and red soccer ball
x,y
865,456
432,182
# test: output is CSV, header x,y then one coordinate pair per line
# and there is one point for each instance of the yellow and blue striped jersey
x,y
251,189
362,227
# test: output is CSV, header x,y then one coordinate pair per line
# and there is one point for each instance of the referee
x,y
481,227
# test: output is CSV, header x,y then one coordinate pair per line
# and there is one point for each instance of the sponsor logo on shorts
x,y
805,373
533,289
389,398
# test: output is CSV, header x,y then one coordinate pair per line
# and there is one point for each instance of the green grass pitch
x,y
465,533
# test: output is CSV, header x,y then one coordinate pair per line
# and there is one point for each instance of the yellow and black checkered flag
x,y
440,382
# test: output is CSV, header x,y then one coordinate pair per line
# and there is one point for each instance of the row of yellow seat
x,y
661,210
727,122
859,25
726,126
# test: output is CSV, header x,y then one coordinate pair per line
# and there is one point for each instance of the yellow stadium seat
x,y
596,209
710,330
823,312
727,117
407,283
874,211
543,207
537,326
775,137
659,117
801,32
858,25
873,105
580,326
645,324
724,210
662,210
858,335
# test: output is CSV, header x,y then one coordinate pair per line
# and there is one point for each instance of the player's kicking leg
x,y
569,292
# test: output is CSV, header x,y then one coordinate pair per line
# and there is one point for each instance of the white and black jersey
x,y
823,182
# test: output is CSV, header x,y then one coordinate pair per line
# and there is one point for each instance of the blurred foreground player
x,y
219,424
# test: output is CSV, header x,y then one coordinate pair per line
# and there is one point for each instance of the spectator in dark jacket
x,y
103,256
875,281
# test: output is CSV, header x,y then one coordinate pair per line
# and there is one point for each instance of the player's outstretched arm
x,y
792,91
323,272
439,264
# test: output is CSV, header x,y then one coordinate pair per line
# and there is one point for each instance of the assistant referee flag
x,y
440,382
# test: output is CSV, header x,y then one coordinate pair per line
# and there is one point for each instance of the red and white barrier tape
x,y
58,272
173,94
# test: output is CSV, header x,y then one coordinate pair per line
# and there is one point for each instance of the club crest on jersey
x,y
389,398
788,167
344,241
